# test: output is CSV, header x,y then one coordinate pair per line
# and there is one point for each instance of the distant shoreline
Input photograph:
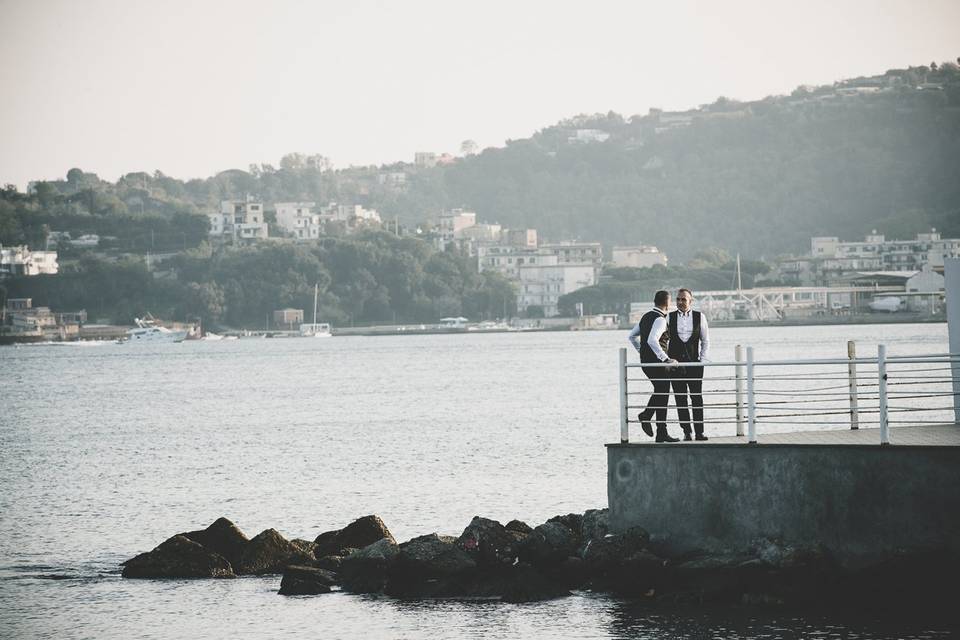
x,y
416,330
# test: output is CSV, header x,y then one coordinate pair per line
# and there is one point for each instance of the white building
x,y
638,257
588,135
453,222
299,219
239,220
355,214
507,260
542,284
426,159
876,252
21,261
392,178
482,232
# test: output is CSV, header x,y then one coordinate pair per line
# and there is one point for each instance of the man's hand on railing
x,y
670,361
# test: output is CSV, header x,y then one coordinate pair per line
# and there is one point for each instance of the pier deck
x,y
925,435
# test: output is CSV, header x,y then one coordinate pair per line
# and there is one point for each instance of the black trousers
x,y
688,381
661,393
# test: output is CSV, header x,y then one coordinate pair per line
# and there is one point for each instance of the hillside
x,y
757,178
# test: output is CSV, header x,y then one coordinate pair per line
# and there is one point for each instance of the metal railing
x,y
815,393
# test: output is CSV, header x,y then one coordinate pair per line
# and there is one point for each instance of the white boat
x,y
315,329
147,330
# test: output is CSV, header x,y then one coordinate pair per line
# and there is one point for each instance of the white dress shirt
x,y
685,330
653,340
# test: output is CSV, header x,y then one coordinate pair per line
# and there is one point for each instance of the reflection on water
x,y
106,451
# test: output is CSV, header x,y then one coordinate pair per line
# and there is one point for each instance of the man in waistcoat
x,y
689,341
649,339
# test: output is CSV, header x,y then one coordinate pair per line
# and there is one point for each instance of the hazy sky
x,y
192,88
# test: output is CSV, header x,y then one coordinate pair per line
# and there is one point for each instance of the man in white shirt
x,y
689,342
648,338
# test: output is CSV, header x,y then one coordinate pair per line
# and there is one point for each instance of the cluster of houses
x,y
833,262
542,272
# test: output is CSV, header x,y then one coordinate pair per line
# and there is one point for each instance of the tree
x,y
468,148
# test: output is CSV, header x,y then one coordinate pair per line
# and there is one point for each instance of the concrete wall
x,y
859,501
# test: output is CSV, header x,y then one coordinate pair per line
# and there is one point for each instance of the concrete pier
x,y
840,489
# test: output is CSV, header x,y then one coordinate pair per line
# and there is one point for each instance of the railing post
x,y
852,377
882,379
624,427
738,356
751,402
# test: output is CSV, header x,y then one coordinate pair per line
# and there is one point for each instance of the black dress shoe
x,y
666,437
645,423
687,437
700,436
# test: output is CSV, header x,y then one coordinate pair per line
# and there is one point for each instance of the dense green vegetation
x,y
372,277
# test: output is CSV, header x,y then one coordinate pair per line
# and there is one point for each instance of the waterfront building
x,y
21,261
541,284
833,260
239,220
638,257
299,219
507,260
287,318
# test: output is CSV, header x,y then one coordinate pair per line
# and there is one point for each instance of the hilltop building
x,y
21,261
299,219
239,220
638,257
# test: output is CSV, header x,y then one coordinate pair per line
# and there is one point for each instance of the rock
x,y
178,557
432,556
270,552
330,563
550,543
572,521
529,585
306,581
611,550
639,574
356,535
488,543
595,524
306,547
222,537
365,571
518,526
424,565
783,556
572,572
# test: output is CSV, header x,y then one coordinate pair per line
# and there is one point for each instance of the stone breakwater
x,y
519,563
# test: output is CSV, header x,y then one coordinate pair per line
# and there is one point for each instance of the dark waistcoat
x,y
680,351
646,325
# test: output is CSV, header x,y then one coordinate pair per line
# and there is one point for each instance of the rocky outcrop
x,y
488,543
270,552
306,581
221,537
365,571
550,543
178,557
429,566
595,524
356,535
519,564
